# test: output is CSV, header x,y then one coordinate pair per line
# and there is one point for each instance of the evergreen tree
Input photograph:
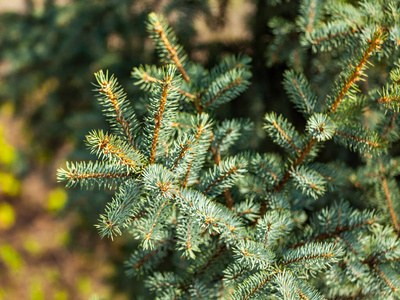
x,y
234,223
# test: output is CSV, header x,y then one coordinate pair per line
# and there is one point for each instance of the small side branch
x,y
358,139
159,116
339,230
374,44
237,81
147,78
281,131
113,98
389,203
171,50
219,179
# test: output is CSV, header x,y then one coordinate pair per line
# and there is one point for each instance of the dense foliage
x,y
230,222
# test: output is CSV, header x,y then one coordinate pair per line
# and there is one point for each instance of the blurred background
x,y
49,50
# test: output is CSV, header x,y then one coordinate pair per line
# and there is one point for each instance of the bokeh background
x,y
49,50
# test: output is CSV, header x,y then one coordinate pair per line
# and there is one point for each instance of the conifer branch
x,y
388,198
302,95
390,126
339,230
223,174
200,130
348,244
358,139
106,87
184,149
146,258
229,200
358,295
148,235
332,36
383,276
265,280
158,28
238,81
269,171
75,176
311,15
388,99
220,250
87,174
390,205
108,146
374,44
217,159
185,182
283,133
166,86
303,154
147,78
328,256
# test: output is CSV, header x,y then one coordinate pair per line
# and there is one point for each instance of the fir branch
x,y
312,257
384,277
303,154
113,98
389,199
166,86
149,233
229,200
237,82
300,92
121,211
146,78
339,230
311,15
108,146
309,181
389,126
89,174
223,175
164,35
317,37
253,284
202,142
252,254
220,251
226,81
289,286
284,134
358,139
185,148
373,44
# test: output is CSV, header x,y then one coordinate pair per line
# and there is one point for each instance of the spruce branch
x,y
117,110
300,92
146,77
115,150
389,127
291,287
121,211
223,176
166,43
346,82
88,175
303,154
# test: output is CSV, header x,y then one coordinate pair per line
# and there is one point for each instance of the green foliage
x,y
243,225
